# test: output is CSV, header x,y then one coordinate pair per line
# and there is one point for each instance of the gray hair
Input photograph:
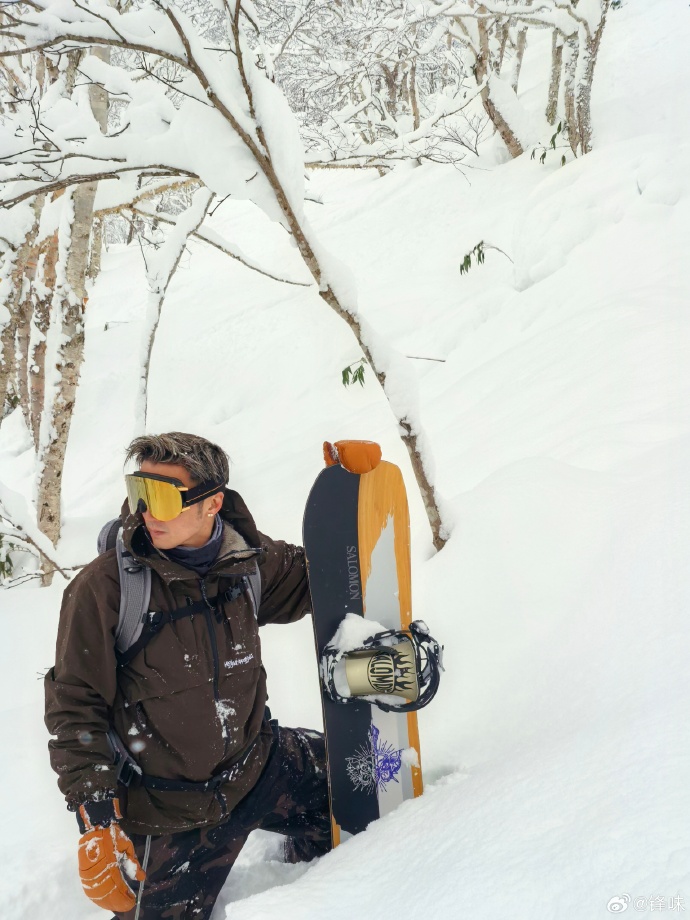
x,y
204,461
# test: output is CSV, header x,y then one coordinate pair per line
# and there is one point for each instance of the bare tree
x,y
589,34
17,240
488,78
41,275
370,81
555,78
227,102
15,295
67,315
577,37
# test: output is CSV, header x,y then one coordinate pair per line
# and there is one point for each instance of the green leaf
x,y
563,160
346,376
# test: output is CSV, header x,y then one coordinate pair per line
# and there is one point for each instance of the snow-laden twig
x,y
207,235
160,275
25,531
39,573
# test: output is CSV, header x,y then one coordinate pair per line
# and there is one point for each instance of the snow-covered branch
x,y
207,235
15,523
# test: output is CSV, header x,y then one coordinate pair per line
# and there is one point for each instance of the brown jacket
x,y
191,703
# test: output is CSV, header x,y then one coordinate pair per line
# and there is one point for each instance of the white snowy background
x,y
556,756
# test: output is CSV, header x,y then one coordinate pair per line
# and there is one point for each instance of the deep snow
x,y
555,757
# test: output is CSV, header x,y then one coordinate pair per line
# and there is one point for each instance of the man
x,y
186,702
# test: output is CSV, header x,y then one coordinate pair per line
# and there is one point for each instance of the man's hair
x,y
204,461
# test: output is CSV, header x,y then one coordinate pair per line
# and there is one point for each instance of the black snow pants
x,y
186,871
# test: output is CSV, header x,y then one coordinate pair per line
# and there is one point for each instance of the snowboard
x,y
357,545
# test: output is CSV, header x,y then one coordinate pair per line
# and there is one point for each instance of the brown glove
x,y
354,456
107,859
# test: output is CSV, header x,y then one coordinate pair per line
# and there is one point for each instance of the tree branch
x,y
22,535
217,244
47,187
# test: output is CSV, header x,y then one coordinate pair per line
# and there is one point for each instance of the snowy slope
x,y
554,757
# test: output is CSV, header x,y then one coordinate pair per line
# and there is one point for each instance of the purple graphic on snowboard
x,y
376,765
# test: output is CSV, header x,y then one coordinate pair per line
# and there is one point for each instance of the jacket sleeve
x,y
80,689
284,586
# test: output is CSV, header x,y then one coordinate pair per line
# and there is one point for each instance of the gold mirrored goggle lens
x,y
162,499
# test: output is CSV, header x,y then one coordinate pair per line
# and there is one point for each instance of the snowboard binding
x,y
396,670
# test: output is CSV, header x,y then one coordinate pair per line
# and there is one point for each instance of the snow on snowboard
x,y
376,666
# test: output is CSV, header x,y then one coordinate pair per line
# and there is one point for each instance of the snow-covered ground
x,y
556,758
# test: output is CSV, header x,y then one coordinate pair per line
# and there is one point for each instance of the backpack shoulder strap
x,y
135,594
108,535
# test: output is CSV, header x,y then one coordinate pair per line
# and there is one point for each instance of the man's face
x,y
191,528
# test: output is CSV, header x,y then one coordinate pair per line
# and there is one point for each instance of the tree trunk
x,y
67,314
583,93
69,301
8,360
503,36
483,75
390,78
508,137
414,101
93,269
24,317
555,80
570,68
130,229
17,303
45,285
520,46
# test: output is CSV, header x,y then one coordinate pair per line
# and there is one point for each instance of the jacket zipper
x,y
212,635
209,613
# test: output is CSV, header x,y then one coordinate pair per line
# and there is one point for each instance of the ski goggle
x,y
164,496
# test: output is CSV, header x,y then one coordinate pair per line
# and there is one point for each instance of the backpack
x,y
135,587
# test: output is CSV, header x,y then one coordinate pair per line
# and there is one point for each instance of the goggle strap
x,y
198,493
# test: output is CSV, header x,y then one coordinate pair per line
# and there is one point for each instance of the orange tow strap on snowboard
x,y
354,456
106,857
